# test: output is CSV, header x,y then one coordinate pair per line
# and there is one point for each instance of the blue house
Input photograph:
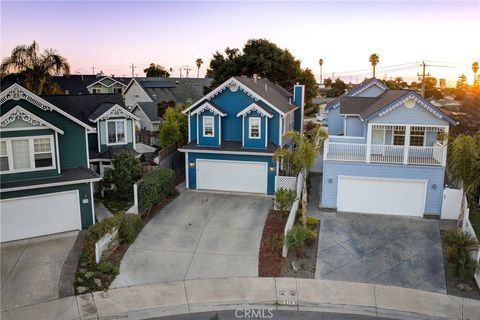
x,y
385,153
234,131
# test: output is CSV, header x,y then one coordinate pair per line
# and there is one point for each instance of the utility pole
x,y
180,71
423,75
93,70
133,69
320,62
187,70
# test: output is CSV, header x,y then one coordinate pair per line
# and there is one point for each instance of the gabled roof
x,y
77,84
357,89
101,78
150,109
210,106
255,108
26,116
83,106
269,93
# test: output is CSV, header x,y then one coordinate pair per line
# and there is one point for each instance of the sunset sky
x,y
113,34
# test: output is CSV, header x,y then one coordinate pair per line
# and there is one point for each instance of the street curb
x,y
192,296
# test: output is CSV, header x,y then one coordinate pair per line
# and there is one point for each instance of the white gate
x,y
452,201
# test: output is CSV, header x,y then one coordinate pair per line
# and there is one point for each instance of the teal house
x,y
386,152
234,131
48,146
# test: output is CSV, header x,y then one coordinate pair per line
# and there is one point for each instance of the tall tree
x,y
156,70
337,88
374,59
475,70
265,59
37,68
198,63
320,62
174,129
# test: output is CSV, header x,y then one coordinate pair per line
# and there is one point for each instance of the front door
x,y
378,141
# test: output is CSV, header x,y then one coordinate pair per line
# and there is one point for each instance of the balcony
x,y
391,154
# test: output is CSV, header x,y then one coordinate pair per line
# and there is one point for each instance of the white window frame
x,y
204,118
417,135
31,152
404,135
259,119
116,134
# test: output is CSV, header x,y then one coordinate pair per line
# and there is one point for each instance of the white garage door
x,y
381,196
240,176
39,215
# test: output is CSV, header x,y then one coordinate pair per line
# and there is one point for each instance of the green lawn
x,y
116,205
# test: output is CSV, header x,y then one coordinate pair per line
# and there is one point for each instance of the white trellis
x,y
285,182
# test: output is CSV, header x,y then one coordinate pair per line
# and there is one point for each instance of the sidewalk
x,y
192,296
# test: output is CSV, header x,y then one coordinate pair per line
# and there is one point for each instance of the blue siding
x,y
335,122
373,91
299,100
417,115
355,127
208,141
274,128
434,175
193,128
192,171
431,138
255,143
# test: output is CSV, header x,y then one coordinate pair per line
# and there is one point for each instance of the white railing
x,y
293,213
434,156
103,244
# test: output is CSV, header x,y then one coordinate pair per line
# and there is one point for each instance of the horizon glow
x,y
111,35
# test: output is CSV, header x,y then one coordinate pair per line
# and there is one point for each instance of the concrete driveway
x,y
198,235
31,269
398,251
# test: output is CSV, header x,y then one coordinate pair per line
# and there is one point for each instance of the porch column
x,y
325,149
406,144
369,143
444,149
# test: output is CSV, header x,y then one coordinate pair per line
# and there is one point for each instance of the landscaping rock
x,y
296,265
80,280
98,282
81,290
464,287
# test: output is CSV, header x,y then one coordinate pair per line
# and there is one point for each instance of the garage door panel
x,y
240,176
39,215
381,196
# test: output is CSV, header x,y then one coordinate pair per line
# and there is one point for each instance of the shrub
x,y
312,221
126,171
129,228
107,267
461,263
284,199
311,236
296,238
155,187
89,275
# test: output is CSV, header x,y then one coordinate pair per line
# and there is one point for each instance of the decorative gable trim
x,y
255,108
17,92
407,101
26,116
115,111
103,84
235,85
373,82
208,107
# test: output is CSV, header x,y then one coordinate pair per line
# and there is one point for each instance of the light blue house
x,y
234,131
384,154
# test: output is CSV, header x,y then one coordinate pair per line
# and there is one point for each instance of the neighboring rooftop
x,y
77,83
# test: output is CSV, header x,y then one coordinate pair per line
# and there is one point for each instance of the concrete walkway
x,y
193,296
101,212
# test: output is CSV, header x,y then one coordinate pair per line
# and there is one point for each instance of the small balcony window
x,y
254,128
417,137
399,137
208,130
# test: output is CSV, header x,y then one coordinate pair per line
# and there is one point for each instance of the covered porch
x,y
392,144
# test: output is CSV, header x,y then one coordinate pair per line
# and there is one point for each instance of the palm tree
x,y
464,164
374,60
320,62
198,62
37,67
475,70
301,156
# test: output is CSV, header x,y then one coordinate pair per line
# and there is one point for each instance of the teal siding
x,y
192,171
104,134
209,141
299,100
83,189
434,175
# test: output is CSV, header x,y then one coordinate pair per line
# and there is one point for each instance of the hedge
x,y
155,187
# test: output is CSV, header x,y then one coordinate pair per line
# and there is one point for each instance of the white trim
x,y
58,153
103,78
118,111
47,185
280,133
266,132
243,131
25,116
241,86
116,137
17,92
208,107
345,126
31,153
219,130
98,135
86,149
345,137
198,131
410,124
189,133
372,82
254,108
259,119
187,171
24,129
203,126
227,152
92,204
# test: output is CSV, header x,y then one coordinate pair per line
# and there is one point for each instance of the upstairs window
x,y
208,130
117,89
399,137
254,127
417,137
116,132
26,154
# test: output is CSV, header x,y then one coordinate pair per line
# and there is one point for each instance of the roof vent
x,y
266,87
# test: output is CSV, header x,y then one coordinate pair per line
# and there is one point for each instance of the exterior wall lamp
x,y
271,168
192,164
330,180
